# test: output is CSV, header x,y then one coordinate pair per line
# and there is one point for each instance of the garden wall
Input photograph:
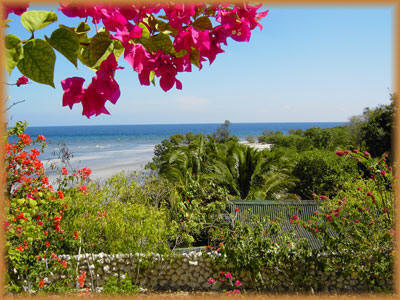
x,y
186,271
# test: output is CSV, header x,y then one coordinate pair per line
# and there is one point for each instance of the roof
x,y
283,210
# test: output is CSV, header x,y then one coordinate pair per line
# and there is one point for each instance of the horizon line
x,y
205,123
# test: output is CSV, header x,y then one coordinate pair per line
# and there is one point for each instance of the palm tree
x,y
249,173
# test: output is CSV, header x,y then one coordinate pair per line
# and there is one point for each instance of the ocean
x,y
113,148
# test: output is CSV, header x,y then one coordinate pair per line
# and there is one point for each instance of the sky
x,y
308,64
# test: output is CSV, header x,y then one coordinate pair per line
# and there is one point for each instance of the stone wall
x,y
183,271
190,271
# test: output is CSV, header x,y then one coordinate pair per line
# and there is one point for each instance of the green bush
x,y
105,223
119,286
322,172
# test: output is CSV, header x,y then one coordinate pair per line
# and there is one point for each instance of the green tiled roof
x,y
283,210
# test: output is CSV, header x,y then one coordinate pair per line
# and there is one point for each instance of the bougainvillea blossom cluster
x,y
159,40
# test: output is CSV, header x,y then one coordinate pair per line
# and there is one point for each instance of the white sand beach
x,y
257,146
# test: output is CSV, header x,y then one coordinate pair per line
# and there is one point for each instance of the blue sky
x,y
308,64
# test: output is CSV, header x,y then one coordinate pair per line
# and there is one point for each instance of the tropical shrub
x,y
34,214
322,172
355,229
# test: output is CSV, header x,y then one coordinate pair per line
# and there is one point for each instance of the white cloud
x,y
191,103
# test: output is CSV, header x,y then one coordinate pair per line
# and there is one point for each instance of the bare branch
x,y
15,103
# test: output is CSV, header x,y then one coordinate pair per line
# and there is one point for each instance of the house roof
x,y
283,210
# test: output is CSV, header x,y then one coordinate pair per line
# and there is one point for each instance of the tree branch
x,y
15,103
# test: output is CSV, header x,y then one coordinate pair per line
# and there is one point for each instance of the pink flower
x,y
211,280
73,90
238,283
339,153
102,88
22,81
17,9
235,291
228,275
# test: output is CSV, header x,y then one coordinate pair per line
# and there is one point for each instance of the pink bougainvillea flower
x,y
238,283
22,81
228,275
127,33
73,90
211,280
339,153
102,88
17,9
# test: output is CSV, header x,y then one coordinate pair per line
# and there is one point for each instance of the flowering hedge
x,y
34,213
356,231
158,40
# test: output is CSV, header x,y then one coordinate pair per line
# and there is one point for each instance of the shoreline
x,y
256,145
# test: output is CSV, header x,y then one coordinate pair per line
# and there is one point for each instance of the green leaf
x,y
13,51
66,27
38,62
195,57
145,31
84,55
163,42
180,53
66,42
151,77
118,49
100,48
202,23
36,19
82,27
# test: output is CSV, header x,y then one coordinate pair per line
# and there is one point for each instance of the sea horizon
x,y
185,123
109,149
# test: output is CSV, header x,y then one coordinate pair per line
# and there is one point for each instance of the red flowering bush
x,y
34,214
355,230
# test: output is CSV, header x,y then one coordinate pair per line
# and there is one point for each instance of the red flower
x,y
64,263
41,283
47,242
366,153
21,216
64,171
83,189
45,180
40,223
237,209
81,279
41,138
60,194
76,235
339,153
22,81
